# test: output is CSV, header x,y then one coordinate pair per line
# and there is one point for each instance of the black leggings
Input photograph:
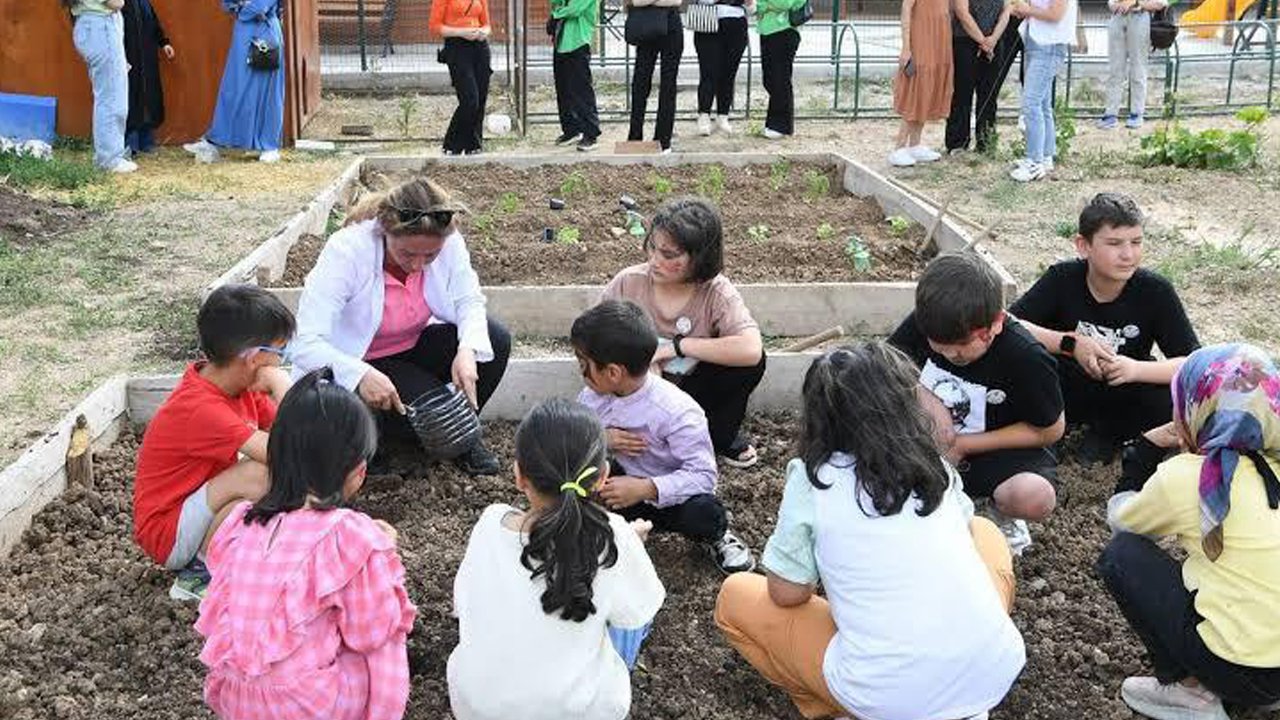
x,y
669,49
719,54
429,363
469,71
1147,585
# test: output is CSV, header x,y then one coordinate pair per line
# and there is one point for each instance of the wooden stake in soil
x,y
637,147
79,464
928,246
813,340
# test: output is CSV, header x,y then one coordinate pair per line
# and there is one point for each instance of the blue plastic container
x,y
28,117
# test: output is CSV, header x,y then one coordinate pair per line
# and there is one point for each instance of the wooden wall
x,y
37,57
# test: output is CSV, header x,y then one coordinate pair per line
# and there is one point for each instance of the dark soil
x,y
772,216
302,257
87,629
24,218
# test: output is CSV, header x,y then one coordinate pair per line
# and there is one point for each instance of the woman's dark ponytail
x,y
560,448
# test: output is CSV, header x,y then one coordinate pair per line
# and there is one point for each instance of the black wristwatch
x,y
1067,346
675,343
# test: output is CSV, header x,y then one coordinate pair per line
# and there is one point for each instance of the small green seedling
x,y
898,225
826,231
662,186
817,185
508,202
778,172
1065,229
857,253
711,182
482,226
574,184
568,235
408,106
758,232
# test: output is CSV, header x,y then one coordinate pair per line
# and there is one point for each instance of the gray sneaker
x,y
192,582
733,555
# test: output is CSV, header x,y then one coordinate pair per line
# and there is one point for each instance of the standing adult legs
x,y
584,93
672,49
462,56
964,58
1137,43
1117,59
100,41
483,71
733,43
709,47
987,92
778,54
561,75
641,85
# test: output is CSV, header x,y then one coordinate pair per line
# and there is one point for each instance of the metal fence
x,y
849,51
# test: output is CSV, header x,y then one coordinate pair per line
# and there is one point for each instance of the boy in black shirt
x,y
1101,314
999,385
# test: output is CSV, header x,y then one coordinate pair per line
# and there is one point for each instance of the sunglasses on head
x,y
439,218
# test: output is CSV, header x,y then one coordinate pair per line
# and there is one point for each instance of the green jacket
x,y
578,22
774,15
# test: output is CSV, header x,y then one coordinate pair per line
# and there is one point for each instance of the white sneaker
x,y
200,146
771,134
1047,164
209,156
902,157
732,554
1027,171
270,156
924,154
1171,702
704,124
722,124
124,166
1015,531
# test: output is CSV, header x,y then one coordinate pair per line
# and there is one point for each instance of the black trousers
x,y
1147,585
469,70
701,518
1119,413
723,393
777,60
719,54
974,73
575,93
670,48
428,364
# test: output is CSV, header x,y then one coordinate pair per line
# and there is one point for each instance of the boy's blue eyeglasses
x,y
281,353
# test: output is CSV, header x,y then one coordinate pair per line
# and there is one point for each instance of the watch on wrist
x,y
1067,346
675,344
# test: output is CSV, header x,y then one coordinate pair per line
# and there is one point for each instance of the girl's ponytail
x,y
570,542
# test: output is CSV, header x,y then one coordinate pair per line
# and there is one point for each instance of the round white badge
x,y
1130,331
683,325
995,397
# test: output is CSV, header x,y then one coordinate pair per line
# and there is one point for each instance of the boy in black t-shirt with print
x,y
1101,314
998,384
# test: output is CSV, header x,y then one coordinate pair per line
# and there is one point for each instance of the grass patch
x,y
1230,263
56,173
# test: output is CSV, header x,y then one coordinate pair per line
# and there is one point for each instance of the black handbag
x,y
1163,31
263,55
646,24
801,15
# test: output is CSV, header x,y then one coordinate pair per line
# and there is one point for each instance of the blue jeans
x,y
100,41
1043,64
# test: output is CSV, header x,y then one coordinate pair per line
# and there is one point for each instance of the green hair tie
x,y
576,485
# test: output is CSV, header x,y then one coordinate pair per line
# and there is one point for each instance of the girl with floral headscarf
x,y
1211,625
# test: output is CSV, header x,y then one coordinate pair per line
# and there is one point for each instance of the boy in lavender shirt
x,y
663,467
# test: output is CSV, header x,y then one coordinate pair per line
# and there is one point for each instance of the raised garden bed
x,y
87,630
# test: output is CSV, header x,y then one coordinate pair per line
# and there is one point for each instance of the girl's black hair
x,y
694,224
322,431
861,400
561,442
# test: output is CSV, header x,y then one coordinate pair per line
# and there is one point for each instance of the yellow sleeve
x,y
1168,504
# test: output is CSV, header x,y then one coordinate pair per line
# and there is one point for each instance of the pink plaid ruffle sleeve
x,y
306,617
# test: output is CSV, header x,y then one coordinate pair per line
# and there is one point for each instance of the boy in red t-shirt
x,y
190,471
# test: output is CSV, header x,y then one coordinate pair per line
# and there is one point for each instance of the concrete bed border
x,y
783,309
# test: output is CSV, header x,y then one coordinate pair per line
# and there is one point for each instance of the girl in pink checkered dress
x,y
306,615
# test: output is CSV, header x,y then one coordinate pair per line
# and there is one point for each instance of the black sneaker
x,y
479,460
1095,448
568,138
588,144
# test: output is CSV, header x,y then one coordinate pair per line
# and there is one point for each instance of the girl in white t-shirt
x,y
552,602
915,623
